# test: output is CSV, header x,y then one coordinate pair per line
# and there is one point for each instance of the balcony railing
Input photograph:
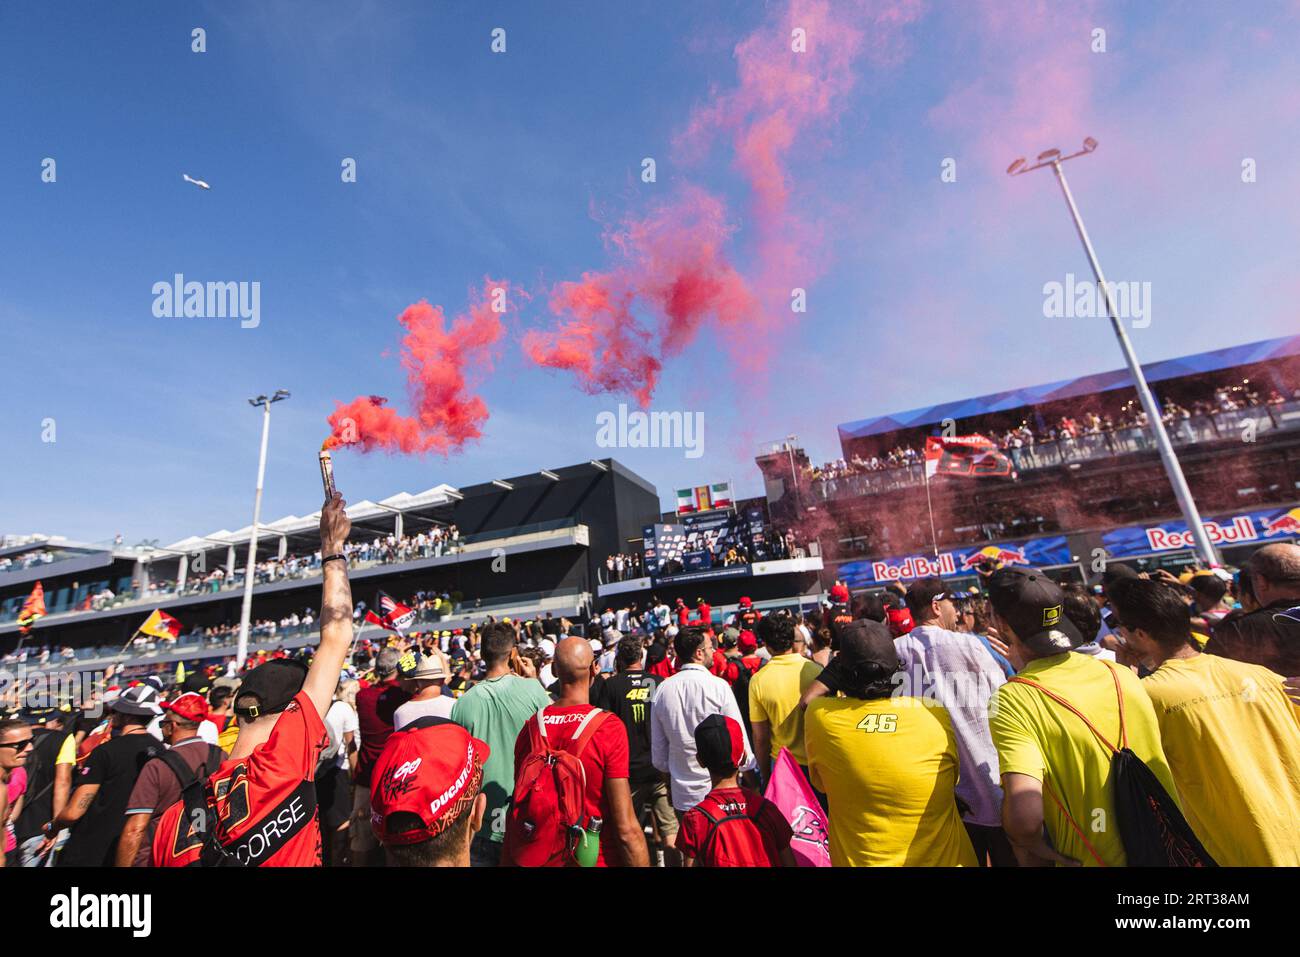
x,y
198,645
1196,430
298,568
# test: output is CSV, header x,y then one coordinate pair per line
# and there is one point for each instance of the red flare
x,y
436,358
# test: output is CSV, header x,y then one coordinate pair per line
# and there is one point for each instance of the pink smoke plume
x,y
436,357
672,265
794,75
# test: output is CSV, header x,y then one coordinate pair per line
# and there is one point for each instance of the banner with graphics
x,y
696,548
1232,529
1046,552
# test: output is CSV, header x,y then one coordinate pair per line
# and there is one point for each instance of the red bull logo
x,y
1285,524
995,554
1242,529
916,566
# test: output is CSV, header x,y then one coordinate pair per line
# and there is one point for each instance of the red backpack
x,y
733,839
547,811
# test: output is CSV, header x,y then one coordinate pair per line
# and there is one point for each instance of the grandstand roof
x,y
293,524
1200,363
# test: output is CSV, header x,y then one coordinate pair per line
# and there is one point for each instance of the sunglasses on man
x,y
22,745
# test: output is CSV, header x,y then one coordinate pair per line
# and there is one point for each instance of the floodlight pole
x,y
1173,470
245,612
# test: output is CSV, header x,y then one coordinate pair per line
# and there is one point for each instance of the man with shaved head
x,y
1270,635
599,740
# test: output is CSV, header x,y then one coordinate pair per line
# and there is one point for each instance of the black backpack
x,y
1151,827
199,813
740,688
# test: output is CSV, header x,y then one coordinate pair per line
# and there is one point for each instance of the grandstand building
x,y
522,546
1088,481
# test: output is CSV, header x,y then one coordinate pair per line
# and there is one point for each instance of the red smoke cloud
x,y
435,357
673,268
671,265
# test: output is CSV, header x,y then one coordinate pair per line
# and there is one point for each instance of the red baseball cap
x,y
900,621
719,743
428,774
745,602
748,643
191,706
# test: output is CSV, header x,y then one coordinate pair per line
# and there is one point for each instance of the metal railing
x,y
299,568
1089,447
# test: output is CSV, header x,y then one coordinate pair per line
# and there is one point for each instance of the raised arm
x,y
335,609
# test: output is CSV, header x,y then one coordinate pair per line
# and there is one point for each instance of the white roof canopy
x,y
294,524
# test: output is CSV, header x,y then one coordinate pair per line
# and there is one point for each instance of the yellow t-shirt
x,y
888,767
67,751
1036,736
774,694
1233,742
227,738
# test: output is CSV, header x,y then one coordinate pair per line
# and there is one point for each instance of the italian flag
x,y
685,500
721,495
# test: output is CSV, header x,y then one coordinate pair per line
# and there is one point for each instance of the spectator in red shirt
x,y
748,645
683,614
659,656
265,794
605,759
427,794
733,826
376,706
706,612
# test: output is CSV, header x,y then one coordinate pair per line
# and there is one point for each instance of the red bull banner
x,y
1236,529
1039,552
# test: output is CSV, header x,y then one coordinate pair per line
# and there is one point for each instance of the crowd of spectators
x,y
1071,438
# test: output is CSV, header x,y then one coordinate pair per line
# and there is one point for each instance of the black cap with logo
x,y
1034,606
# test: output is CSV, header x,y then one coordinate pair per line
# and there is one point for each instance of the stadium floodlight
x,y
245,612
600,465
1174,471
501,483
547,473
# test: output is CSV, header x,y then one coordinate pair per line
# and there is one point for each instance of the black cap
x,y
1034,606
922,592
198,683
865,646
719,743
1115,572
271,686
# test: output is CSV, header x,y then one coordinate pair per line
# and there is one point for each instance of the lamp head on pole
x,y
1050,157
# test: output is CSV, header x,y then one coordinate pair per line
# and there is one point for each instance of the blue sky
x,y
471,163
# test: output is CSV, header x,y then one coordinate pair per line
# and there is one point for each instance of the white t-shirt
x,y
208,731
439,707
339,720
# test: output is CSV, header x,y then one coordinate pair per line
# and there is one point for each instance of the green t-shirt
x,y
494,711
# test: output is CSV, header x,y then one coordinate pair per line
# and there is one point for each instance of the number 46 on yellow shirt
x,y
884,723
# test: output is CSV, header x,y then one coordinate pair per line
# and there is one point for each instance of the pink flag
x,y
790,791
